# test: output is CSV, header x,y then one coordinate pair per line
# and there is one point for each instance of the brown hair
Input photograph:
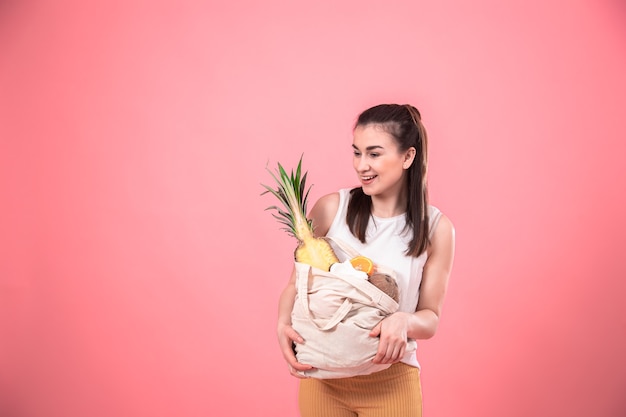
x,y
404,124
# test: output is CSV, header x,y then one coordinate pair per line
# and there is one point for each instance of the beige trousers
x,y
396,391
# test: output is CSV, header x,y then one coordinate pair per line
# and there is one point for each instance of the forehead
x,y
373,134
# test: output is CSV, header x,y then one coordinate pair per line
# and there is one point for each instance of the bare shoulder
x,y
323,213
442,241
444,229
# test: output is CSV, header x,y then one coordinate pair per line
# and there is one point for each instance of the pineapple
x,y
292,192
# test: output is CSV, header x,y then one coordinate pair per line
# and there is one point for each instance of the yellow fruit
x,y
291,191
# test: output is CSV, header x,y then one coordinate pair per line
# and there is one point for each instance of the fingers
x,y
392,334
287,347
391,348
376,330
298,370
294,336
390,352
293,363
287,337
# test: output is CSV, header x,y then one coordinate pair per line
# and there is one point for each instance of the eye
x,y
357,153
374,154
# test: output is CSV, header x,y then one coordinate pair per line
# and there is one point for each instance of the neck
x,y
388,206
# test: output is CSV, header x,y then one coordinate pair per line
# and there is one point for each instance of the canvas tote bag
x,y
334,314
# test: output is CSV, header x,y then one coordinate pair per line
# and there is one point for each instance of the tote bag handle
x,y
375,295
303,295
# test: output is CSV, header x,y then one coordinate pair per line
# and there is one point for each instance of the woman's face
x,y
377,161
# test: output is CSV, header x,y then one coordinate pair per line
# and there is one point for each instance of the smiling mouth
x,y
365,179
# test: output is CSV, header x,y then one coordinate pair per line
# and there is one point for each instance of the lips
x,y
368,179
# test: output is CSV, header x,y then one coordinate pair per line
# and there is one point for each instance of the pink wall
x,y
139,273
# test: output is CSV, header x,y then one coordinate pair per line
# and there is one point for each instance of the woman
x,y
389,220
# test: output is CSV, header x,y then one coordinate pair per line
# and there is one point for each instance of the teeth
x,y
368,178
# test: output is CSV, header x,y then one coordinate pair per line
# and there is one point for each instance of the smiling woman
x,y
134,135
387,219
379,162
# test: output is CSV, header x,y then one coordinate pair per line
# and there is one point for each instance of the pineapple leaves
x,y
290,189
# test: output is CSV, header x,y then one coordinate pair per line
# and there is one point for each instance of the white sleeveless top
x,y
386,244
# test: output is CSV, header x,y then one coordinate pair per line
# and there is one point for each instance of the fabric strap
x,y
375,295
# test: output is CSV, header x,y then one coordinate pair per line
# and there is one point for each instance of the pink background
x,y
139,272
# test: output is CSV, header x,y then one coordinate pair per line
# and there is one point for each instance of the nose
x,y
361,164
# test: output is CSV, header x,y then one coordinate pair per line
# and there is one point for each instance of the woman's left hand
x,y
393,338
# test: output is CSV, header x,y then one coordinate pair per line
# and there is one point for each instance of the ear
x,y
409,157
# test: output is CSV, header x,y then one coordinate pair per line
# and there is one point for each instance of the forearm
x,y
285,304
287,336
422,324
397,328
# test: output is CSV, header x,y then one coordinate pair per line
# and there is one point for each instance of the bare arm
x,y
396,328
323,213
425,320
286,334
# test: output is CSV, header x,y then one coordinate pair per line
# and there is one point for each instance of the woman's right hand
x,y
287,336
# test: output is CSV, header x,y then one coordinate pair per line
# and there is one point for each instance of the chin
x,y
368,190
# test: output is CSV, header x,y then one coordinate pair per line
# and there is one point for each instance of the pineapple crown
x,y
291,191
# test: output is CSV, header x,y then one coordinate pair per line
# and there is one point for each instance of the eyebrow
x,y
369,148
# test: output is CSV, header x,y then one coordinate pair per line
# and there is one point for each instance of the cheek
x,y
387,165
394,168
